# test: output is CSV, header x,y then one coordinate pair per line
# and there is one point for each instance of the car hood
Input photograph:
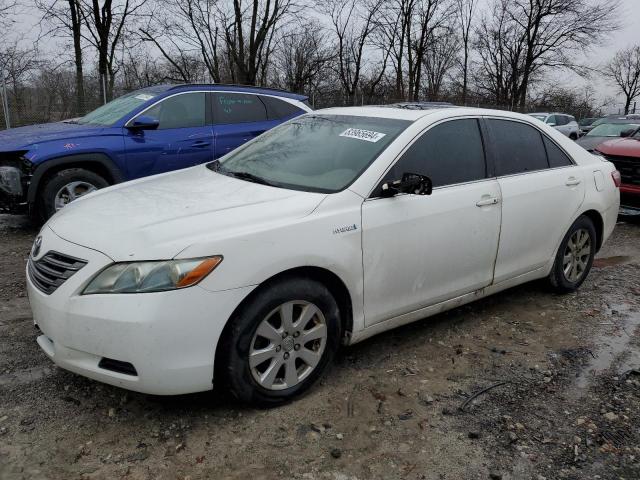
x,y
623,147
158,217
23,138
589,143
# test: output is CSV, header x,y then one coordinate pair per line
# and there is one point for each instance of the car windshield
x,y
585,122
113,111
320,153
612,129
539,117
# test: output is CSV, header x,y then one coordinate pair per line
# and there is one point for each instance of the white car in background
x,y
565,124
250,271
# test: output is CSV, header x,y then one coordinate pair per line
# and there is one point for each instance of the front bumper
x,y
169,338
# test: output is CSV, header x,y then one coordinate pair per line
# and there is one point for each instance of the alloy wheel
x,y
577,255
288,345
71,191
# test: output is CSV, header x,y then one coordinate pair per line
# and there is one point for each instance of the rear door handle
x,y
487,201
572,181
200,144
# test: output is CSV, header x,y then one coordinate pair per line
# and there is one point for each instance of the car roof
x,y
228,87
550,113
609,121
400,113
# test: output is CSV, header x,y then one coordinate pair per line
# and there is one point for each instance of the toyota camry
x,y
249,272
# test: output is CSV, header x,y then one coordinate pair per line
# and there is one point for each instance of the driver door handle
x,y
572,181
487,201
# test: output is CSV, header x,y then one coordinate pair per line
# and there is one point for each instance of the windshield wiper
x,y
248,176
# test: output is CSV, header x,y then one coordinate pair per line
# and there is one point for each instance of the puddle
x,y
25,376
611,261
614,345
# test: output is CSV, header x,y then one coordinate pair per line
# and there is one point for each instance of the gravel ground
x,y
563,398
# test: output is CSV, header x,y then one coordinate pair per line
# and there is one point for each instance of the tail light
x,y
617,178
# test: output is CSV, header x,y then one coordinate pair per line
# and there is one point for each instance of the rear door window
x,y
518,147
278,109
557,158
237,108
449,153
179,111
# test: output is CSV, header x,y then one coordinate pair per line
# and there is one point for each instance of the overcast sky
x,y
628,35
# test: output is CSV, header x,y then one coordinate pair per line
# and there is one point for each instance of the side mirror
x,y
551,124
143,122
627,133
411,183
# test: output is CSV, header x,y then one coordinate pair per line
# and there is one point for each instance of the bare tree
x,y
465,14
249,30
184,29
391,35
555,30
7,9
500,48
624,72
64,19
353,25
425,16
106,25
302,55
440,58
18,64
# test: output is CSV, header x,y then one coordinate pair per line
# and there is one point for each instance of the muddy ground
x,y
565,401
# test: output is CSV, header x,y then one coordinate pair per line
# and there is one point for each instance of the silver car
x,y
562,122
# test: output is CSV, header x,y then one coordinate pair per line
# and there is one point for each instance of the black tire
x,y
232,359
60,179
573,136
557,277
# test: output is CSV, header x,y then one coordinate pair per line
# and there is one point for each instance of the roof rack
x,y
233,85
419,105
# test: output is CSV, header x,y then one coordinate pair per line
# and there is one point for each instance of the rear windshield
x,y
321,153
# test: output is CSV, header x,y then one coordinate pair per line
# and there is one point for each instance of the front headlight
x,y
156,276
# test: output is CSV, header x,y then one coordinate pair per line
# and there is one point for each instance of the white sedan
x,y
251,271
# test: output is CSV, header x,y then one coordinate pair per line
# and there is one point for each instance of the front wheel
x,y
574,257
280,342
66,186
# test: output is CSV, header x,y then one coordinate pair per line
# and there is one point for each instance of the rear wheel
x,y
574,257
66,186
280,342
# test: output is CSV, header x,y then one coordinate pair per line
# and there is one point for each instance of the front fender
x,y
77,160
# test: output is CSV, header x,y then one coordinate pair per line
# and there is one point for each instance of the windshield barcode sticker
x,y
366,135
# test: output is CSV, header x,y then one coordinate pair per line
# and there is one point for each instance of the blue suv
x,y
149,131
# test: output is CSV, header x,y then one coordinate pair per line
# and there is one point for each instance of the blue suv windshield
x,y
113,111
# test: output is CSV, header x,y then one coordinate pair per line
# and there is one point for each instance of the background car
x,y
585,124
249,272
566,124
624,153
606,131
149,131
